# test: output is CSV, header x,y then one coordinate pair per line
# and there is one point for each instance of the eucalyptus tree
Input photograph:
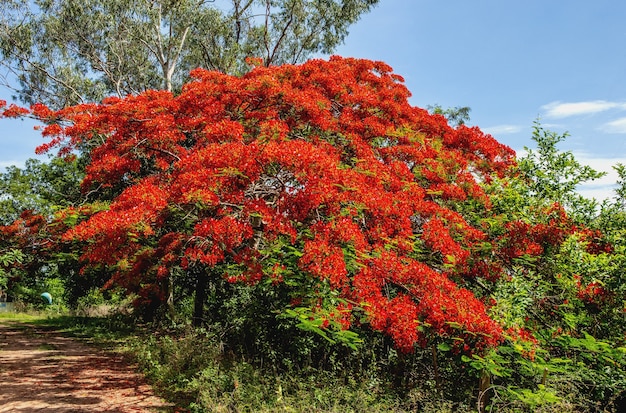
x,y
64,52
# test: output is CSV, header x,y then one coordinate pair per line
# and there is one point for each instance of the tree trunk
x,y
484,383
436,371
200,298
170,296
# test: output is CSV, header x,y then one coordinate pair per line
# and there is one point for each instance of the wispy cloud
x,y
502,129
604,187
615,126
567,109
5,164
20,163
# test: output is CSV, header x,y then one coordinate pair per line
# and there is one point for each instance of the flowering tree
x,y
21,268
319,179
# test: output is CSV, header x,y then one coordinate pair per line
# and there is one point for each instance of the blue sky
x,y
562,62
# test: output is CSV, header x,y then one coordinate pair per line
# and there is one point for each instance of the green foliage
x,y
194,368
27,291
456,116
565,306
65,52
551,175
558,373
43,187
323,324
7,259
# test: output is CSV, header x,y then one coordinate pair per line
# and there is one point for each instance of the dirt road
x,y
43,371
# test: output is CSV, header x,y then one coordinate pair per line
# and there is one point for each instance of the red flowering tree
x,y
27,248
320,179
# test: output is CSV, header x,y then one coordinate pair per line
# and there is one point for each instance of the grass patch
x,y
192,370
19,317
109,332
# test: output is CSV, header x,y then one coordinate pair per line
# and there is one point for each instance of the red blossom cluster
x,y
31,235
595,241
525,238
592,292
526,339
23,230
327,157
12,111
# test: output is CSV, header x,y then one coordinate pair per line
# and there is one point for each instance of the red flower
x,y
324,168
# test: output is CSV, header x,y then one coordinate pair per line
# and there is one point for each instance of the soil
x,y
43,371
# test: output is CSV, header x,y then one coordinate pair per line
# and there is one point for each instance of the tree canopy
x,y
65,52
321,178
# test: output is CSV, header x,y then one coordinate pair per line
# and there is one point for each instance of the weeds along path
x,y
41,370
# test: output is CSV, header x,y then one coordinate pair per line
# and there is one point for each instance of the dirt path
x,y
40,370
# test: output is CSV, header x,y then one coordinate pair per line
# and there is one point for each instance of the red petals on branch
x,y
326,162
13,111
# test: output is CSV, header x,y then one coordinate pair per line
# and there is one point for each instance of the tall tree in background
x,y
65,52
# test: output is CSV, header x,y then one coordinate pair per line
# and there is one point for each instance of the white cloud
x,y
602,188
502,129
600,163
616,126
563,110
6,164
599,193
